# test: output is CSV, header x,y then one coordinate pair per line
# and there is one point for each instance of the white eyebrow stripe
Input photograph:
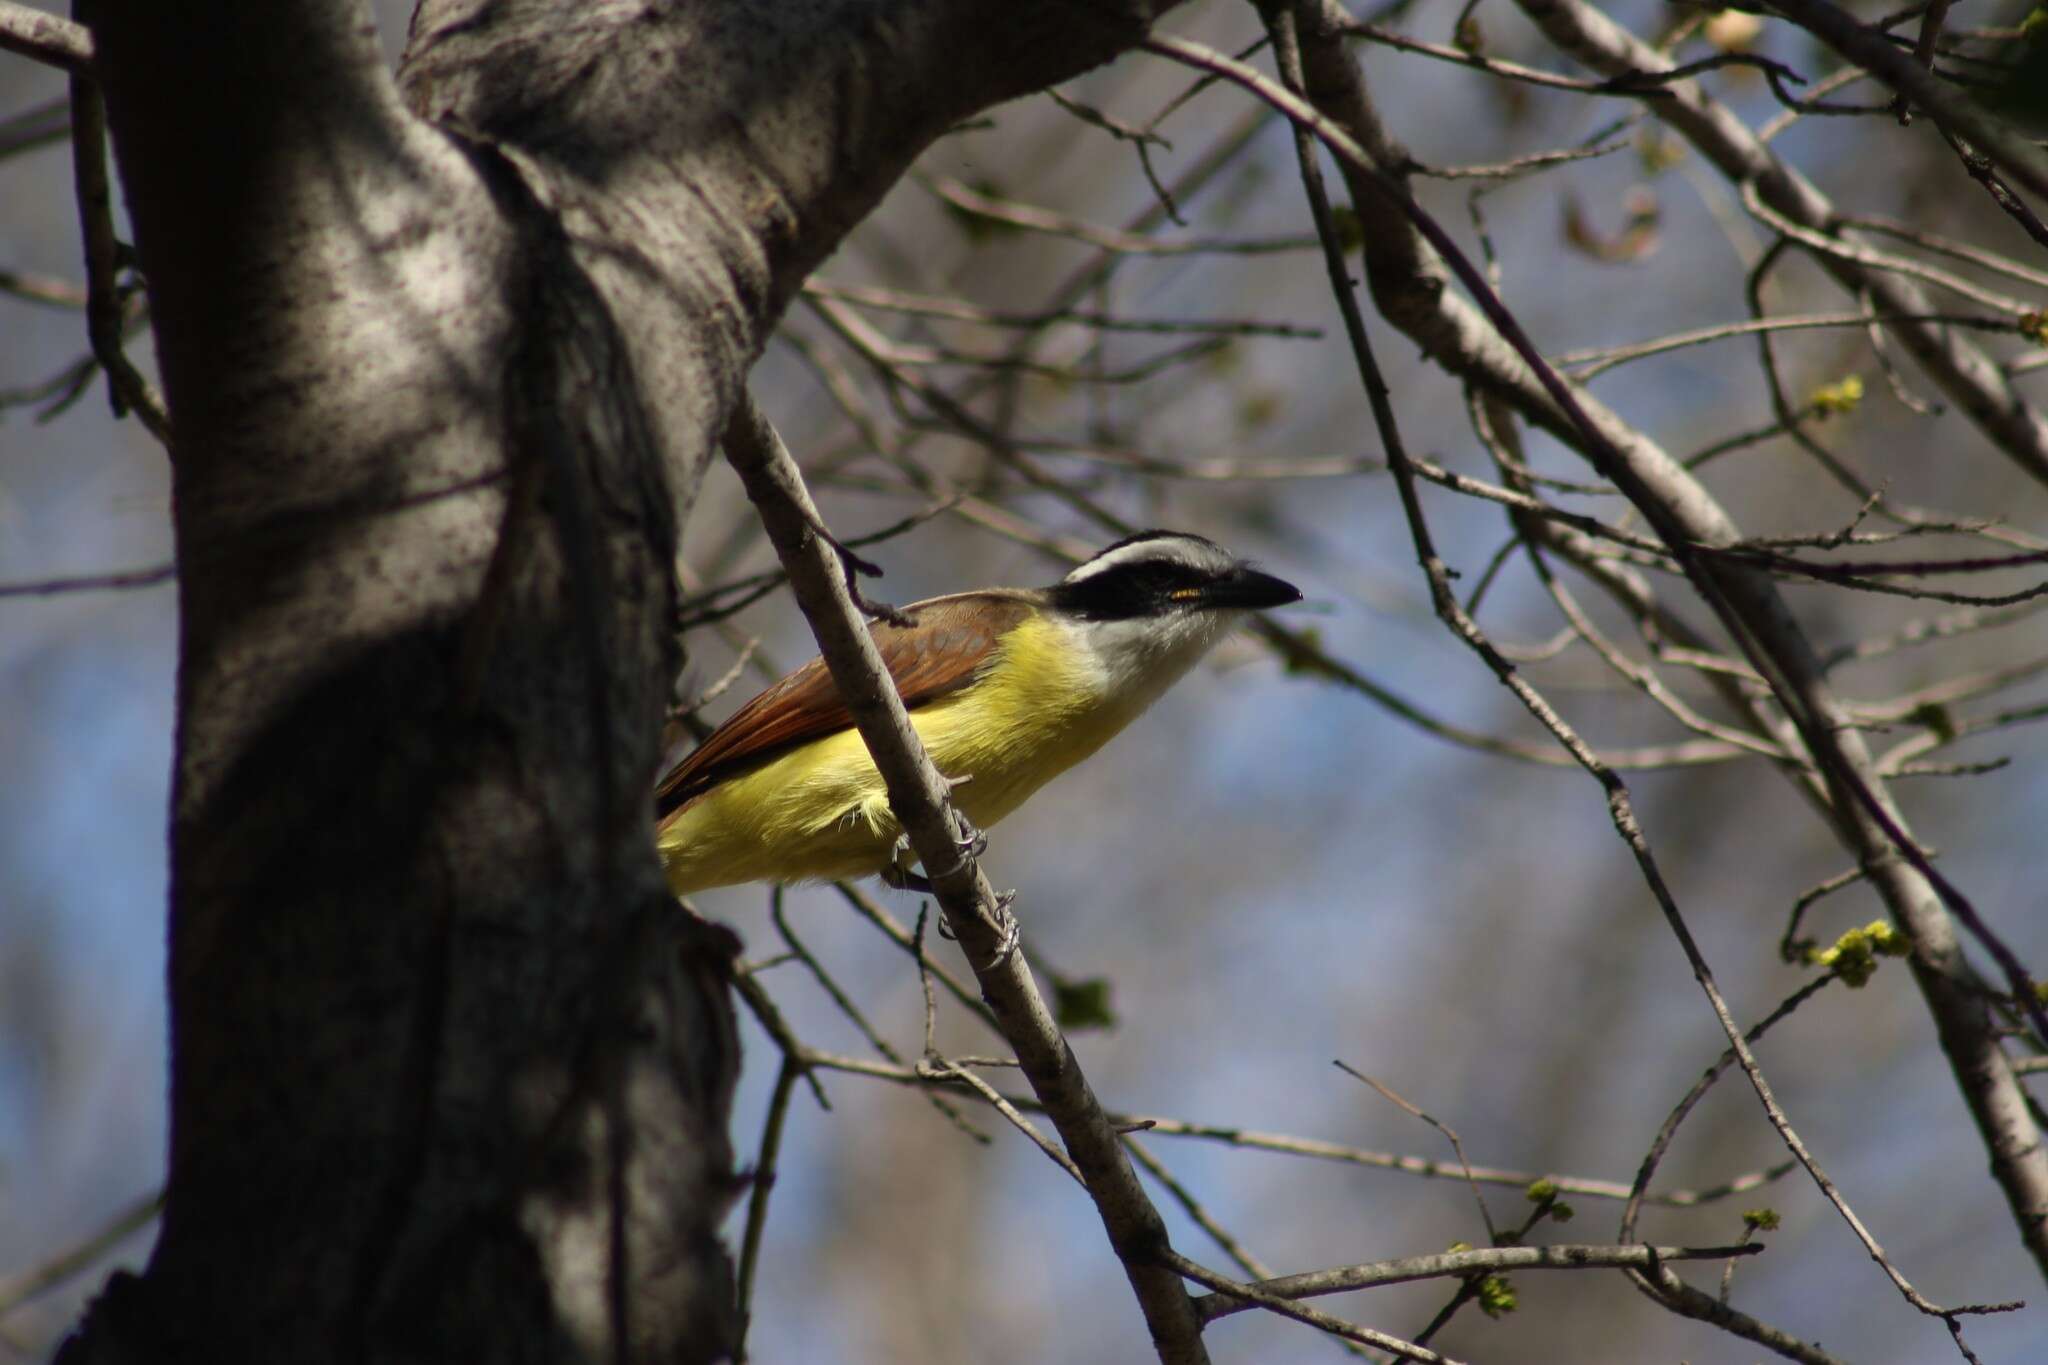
x,y
1185,550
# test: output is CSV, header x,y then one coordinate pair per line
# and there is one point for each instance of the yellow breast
x,y
1038,707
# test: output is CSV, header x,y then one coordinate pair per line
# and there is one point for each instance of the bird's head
x,y
1150,605
1166,574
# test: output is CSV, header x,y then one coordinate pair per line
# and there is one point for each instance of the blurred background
x,y
1270,872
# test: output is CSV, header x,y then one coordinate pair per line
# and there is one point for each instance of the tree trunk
x,y
446,360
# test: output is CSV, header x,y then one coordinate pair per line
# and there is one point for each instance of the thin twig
x,y
75,1260
97,582
128,390
1251,1296
1450,1264
763,1184
1316,1149
1450,1134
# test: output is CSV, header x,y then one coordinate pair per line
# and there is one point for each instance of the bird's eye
x,y
1185,594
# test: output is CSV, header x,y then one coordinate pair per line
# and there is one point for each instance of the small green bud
x,y
1760,1220
1540,1190
1886,940
1837,399
1854,955
1496,1296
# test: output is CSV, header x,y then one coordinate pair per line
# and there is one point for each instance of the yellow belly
x,y
821,812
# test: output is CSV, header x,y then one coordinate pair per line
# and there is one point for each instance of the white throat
x,y
1140,657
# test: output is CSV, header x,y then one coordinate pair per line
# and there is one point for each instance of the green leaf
x,y
1083,1004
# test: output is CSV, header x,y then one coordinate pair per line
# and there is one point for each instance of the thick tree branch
x,y
45,37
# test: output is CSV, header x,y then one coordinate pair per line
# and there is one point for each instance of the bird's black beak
x,y
1246,589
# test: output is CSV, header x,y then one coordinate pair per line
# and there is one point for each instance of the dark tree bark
x,y
446,359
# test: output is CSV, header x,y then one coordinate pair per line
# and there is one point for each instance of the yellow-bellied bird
x,y
1007,687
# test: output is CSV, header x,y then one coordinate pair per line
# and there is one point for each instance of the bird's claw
x,y
900,878
1009,933
896,871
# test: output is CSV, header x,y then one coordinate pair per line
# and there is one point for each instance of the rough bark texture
x,y
450,1075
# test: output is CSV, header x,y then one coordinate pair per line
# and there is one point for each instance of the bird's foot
x,y
1009,933
896,871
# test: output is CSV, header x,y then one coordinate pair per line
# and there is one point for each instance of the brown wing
x,y
936,654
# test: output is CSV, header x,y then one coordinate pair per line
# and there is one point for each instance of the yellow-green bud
x,y
1496,1296
1837,399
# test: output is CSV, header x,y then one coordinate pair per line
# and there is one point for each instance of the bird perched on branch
x,y
1007,688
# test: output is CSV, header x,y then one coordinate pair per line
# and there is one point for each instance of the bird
x,y
1006,687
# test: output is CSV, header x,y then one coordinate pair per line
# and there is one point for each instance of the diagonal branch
x,y
45,38
917,793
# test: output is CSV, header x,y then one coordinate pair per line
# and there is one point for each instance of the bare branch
x,y
967,199
98,582
1588,365
1315,1149
917,793
128,390
958,310
44,37
762,1185
42,289
1254,1297
76,1260
1448,1264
